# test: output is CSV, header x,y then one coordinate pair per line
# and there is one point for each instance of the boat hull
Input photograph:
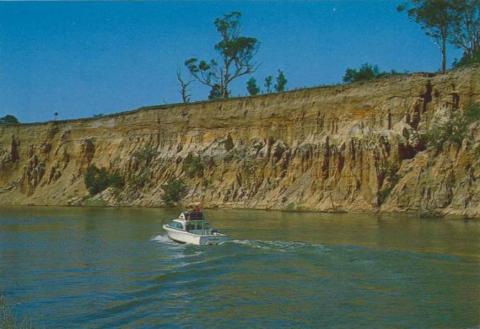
x,y
191,238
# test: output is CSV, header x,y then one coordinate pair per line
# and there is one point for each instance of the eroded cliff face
x,y
357,147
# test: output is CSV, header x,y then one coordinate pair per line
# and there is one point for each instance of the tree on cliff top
x,y
268,84
466,31
9,120
183,84
466,27
252,87
437,18
281,82
365,72
235,57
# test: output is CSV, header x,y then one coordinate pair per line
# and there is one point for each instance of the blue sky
x,y
86,58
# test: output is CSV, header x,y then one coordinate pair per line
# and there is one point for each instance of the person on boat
x,y
196,213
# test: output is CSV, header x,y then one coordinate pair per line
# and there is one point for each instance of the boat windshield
x,y
176,225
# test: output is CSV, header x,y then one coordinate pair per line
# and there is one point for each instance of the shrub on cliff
x,y
193,166
139,181
146,154
97,180
174,191
472,113
115,181
454,129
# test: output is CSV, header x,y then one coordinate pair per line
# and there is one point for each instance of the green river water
x,y
115,268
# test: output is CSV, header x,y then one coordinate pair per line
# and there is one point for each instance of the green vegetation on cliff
x,y
193,166
453,128
97,180
174,191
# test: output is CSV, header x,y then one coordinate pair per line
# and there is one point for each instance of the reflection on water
x,y
109,268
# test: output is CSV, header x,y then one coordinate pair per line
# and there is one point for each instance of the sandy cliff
x,y
356,147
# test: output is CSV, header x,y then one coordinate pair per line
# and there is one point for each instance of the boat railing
x,y
198,225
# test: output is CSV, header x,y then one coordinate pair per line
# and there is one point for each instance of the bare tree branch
x,y
184,88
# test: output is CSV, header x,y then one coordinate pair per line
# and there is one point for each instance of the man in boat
x,y
196,213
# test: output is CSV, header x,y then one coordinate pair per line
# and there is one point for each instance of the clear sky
x,y
86,58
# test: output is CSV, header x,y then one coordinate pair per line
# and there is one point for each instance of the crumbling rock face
x,y
358,147
14,157
88,151
33,173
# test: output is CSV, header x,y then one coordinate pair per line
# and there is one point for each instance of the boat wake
x,y
278,246
163,238
281,246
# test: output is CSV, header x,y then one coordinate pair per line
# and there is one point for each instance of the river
x,y
115,268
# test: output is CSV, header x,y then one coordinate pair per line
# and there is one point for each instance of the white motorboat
x,y
193,228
